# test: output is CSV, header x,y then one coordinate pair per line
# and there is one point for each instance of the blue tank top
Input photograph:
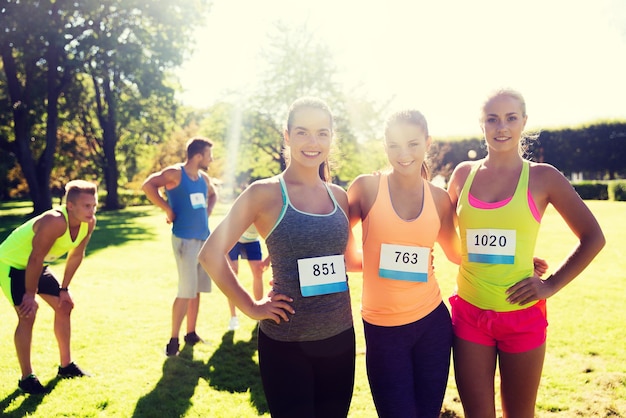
x,y
299,235
189,202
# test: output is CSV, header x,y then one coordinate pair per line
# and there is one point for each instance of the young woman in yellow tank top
x,y
499,314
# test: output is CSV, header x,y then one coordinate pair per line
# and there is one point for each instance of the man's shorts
x,y
510,332
192,278
13,283
247,250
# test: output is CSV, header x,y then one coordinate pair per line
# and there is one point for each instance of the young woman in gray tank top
x,y
306,337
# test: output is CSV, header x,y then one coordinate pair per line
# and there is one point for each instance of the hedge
x,y
617,190
601,190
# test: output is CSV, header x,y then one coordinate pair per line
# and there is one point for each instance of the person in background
x,y
499,309
24,272
306,340
408,332
248,247
191,198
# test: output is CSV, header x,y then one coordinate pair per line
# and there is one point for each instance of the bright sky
x,y
567,57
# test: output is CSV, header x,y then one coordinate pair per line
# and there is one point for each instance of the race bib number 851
x,y
322,275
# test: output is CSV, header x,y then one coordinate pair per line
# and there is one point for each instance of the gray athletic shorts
x,y
192,278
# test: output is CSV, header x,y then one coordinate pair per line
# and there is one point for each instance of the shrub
x,y
591,190
617,190
133,198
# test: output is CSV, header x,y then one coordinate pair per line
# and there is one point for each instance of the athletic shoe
x,y
71,371
233,324
192,338
30,384
171,349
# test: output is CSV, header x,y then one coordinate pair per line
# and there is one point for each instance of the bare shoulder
x,y
169,176
263,191
547,174
171,170
207,179
206,176
462,170
458,178
439,193
339,193
365,183
543,169
51,223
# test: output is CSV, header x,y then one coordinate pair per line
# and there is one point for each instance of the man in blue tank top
x,y
190,200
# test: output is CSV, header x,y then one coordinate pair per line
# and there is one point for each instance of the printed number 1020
x,y
490,240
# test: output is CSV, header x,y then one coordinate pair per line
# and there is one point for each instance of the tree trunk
x,y
109,136
20,103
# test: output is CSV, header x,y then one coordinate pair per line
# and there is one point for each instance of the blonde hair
x,y
527,136
76,187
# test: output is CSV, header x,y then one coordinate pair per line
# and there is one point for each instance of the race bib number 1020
x,y
491,246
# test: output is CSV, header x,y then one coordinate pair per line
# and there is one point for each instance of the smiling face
x,y
406,145
502,121
309,136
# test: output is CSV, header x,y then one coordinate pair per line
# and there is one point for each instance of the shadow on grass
x,y
233,369
446,413
119,227
114,227
171,397
30,403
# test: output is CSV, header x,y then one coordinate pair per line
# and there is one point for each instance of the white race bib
x,y
197,200
322,275
404,262
491,246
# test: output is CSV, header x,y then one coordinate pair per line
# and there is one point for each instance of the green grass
x,y
123,294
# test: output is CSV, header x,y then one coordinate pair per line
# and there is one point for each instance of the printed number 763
x,y
406,257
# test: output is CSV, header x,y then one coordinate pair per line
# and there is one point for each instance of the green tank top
x,y
497,245
16,249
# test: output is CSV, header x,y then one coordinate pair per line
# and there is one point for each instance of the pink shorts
x,y
511,332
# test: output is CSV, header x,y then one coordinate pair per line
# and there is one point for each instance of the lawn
x,y
123,294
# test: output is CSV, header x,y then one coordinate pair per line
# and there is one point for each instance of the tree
x,y
35,35
296,65
127,51
126,47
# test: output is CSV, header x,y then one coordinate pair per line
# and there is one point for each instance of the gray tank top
x,y
299,235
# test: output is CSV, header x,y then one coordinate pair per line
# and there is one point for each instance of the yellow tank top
x,y
16,249
399,284
497,246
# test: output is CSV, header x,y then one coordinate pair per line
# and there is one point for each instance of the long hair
x,y
412,117
527,136
311,102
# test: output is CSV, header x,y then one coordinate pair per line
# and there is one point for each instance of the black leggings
x,y
308,379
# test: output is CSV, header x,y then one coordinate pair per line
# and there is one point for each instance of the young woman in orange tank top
x,y
408,330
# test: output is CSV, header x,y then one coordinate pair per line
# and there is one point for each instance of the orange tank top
x,y
399,284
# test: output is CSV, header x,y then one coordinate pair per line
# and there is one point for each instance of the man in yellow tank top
x,y
24,256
